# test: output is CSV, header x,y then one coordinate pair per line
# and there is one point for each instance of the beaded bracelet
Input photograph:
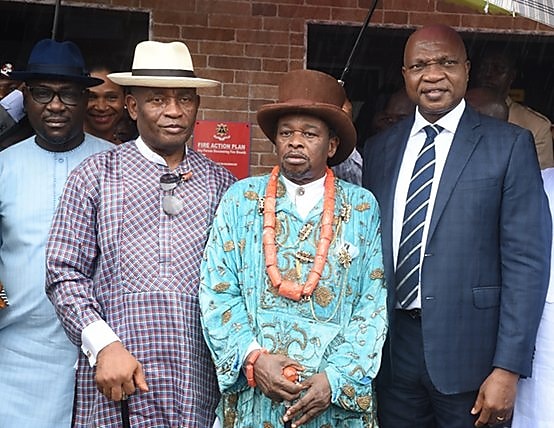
x,y
249,365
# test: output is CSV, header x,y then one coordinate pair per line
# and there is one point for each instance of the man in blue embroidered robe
x,y
253,326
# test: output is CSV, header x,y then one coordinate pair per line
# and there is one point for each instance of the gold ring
x,y
500,418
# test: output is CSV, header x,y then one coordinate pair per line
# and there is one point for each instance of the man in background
x,y
497,71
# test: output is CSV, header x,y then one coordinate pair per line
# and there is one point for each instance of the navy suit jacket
x,y
487,259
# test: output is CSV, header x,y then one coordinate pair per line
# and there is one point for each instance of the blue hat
x,y
54,60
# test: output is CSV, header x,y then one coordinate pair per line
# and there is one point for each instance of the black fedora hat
x,y
54,60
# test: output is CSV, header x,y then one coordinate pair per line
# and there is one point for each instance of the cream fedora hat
x,y
162,65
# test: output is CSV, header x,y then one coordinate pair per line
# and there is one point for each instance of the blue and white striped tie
x,y
409,250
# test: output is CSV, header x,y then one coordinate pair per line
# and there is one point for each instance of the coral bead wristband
x,y
249,365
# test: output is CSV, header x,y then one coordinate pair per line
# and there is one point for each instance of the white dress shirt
x,y
443,142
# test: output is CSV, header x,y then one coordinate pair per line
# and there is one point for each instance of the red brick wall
x,y
248,44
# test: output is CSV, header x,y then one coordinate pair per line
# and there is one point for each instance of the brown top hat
x,y
317,94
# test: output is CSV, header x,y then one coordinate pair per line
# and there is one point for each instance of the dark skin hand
x,y
268,374
314,402
118,372
495,400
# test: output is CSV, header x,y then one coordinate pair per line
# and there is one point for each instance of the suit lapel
x,y
464,143
394,148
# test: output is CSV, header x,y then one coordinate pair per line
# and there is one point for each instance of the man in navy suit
x,y
463,335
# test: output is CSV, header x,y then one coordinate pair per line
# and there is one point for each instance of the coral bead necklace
x,y
287,288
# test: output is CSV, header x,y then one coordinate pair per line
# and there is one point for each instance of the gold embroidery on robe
x,y
349,391
377,274
364,402
362,207
221,287
228,246
323,296
250,195
226,316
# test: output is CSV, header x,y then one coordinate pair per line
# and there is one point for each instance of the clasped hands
x,y
118,373
313,395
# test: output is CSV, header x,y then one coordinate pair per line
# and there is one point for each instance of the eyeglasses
x,y
171,204
44,95
443,64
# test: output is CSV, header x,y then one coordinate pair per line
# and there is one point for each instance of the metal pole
x,y
360,34
55,23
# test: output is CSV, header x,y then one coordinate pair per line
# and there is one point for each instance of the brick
x,y
348,15
267,51
411,5
255,104
166,31
274,65
223,6
199,61
366,4
297,39
224,116
224,103
420,18
284,24
297,52
296,64
310,12
235,21
261,145
213,91
343,3
377,17
224,48
194,33
264,9
266,37
226,76
263,92
448,6
235,63
180,18
168,4
395,17
258,134
268,160
235,90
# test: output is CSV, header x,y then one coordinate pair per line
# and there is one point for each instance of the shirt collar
x,y
312,190
151,155
449,121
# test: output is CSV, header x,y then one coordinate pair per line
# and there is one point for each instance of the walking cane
x,y
126,423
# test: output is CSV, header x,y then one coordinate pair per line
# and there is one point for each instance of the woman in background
x,y
106,108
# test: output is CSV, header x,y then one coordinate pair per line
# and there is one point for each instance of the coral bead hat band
x,y
162,65
317,94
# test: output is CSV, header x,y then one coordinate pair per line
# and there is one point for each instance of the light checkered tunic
x,y
113,254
